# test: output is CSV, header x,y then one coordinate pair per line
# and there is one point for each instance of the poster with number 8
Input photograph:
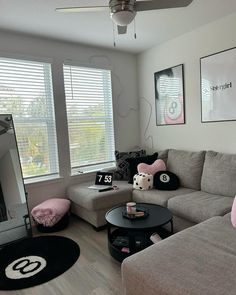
x,y
169,96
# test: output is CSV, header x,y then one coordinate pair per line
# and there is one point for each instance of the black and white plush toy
x,y
143,181
166,181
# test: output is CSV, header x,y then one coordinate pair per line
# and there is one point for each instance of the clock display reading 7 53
x,y
104,178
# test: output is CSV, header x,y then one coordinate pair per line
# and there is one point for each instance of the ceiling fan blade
x,y
82,9
161,4
122,29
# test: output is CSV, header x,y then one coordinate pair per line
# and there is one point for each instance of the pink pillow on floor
x,y
50,211
158,165
233,213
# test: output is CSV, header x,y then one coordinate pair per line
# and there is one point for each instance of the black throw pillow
x,y
133,163
166,181
122,167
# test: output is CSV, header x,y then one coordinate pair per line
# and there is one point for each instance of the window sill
x,y
42,180
91,170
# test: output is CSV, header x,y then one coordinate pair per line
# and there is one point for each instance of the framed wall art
x,y
169,96
218,86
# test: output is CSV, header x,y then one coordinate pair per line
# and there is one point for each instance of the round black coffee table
x,y
126,237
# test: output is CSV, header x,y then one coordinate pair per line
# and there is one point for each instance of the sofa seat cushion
x,y
199,206
198,260
93,200
187,166
158,197
219,174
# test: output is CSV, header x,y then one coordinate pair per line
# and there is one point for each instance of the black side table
x,y
134,235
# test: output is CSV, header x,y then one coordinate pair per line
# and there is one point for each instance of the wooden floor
x,y
94,273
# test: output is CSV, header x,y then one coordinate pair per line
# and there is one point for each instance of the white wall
x,y
187,49
124,78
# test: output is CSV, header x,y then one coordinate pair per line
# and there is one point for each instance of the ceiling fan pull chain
x,y
135,35
114,39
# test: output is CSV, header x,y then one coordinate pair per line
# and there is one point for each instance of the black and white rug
x,y
35,261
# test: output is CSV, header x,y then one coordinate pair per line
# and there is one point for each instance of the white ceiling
x,y
153,27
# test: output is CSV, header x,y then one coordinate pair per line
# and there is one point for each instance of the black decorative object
x,y
166,181
34,261
122,166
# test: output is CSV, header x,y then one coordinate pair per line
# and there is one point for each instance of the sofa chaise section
x,y
92,205
199,260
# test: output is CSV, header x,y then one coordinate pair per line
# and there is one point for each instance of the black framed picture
x,y
218,80
169,96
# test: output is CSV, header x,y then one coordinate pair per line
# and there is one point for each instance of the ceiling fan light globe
x,y
123,18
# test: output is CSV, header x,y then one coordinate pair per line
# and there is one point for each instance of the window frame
x,y
92,167
47,121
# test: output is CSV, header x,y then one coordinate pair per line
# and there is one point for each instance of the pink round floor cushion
x,y
233,213
158,165
50,211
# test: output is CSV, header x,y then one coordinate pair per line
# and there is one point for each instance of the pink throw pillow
x,y
233,213
158,165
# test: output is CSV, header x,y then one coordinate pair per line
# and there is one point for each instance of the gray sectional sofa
x,y
200,259
207,190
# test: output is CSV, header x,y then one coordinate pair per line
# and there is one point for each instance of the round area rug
x,y
34,261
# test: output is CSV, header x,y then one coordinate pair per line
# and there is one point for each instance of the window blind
x,y
90,118
26,93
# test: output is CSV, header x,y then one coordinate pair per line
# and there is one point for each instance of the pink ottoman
x,y
51,215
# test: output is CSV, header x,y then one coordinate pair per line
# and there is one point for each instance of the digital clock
x,y
104,178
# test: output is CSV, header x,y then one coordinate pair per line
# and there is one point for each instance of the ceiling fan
x,y
123,11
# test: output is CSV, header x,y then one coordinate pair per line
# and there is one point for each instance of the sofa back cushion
x,y
163,155
187,166
219,174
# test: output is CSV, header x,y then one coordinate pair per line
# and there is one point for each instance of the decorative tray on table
x,y
136,215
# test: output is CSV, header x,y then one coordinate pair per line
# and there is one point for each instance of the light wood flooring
x,y
94,273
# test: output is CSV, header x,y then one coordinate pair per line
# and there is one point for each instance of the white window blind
x,y
90,118
26,92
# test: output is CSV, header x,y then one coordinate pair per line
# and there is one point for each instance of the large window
x,y
90,117
26,92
